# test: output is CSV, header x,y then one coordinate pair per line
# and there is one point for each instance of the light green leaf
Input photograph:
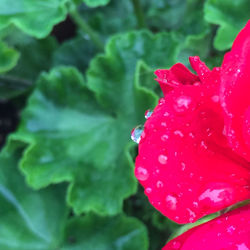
x,y
8,57
231,16
35,18
106,233
81,135
30,220
95,3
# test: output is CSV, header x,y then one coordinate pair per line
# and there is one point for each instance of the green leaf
x,y
81,135
106,233
75,52
95,3
35,18
8,57
35,56
231,16
30,220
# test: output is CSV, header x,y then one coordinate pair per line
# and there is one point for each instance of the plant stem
x,y
139,14
82,24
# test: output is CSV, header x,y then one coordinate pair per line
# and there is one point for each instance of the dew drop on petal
x,y
164,137
179,133
159,184
163,159
148,190
171,202
148,113
183,104
141,173
136,133
176,245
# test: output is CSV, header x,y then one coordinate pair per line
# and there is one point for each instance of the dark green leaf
x,y
30,220
74,137
35,18
231,16
110,233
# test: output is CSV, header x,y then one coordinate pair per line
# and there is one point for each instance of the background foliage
x,y
75,77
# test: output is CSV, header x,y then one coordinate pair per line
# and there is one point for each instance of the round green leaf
x,y
79,132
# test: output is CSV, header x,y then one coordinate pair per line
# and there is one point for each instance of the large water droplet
x,y
171,202
163,159
148,113
141,173
136,133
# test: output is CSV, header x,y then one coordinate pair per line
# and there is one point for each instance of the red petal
x,y
230,231
235,94
184,163
175,76
200,67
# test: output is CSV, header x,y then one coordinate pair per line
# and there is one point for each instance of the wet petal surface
x,y
187,164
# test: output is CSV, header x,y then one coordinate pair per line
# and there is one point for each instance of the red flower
x,y
194,151
230,231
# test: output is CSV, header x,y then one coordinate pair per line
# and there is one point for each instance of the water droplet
x,y
164,137
176,244
148,190
217,194
163,159
179,133
166,114
159,184
148,113
183,166
141,173
171,202
136,133
231,229
183,104
215,98
164,124
192,215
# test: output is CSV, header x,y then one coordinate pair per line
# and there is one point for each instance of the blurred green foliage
x,y
66,172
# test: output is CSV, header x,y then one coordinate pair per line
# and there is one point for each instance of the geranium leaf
x,y
21,78
95,3
36,18
80,135
30,220
8,57
75,52
106,233
231,16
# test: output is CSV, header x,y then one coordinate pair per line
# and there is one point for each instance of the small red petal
x,y
200,67
230,231
175,76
